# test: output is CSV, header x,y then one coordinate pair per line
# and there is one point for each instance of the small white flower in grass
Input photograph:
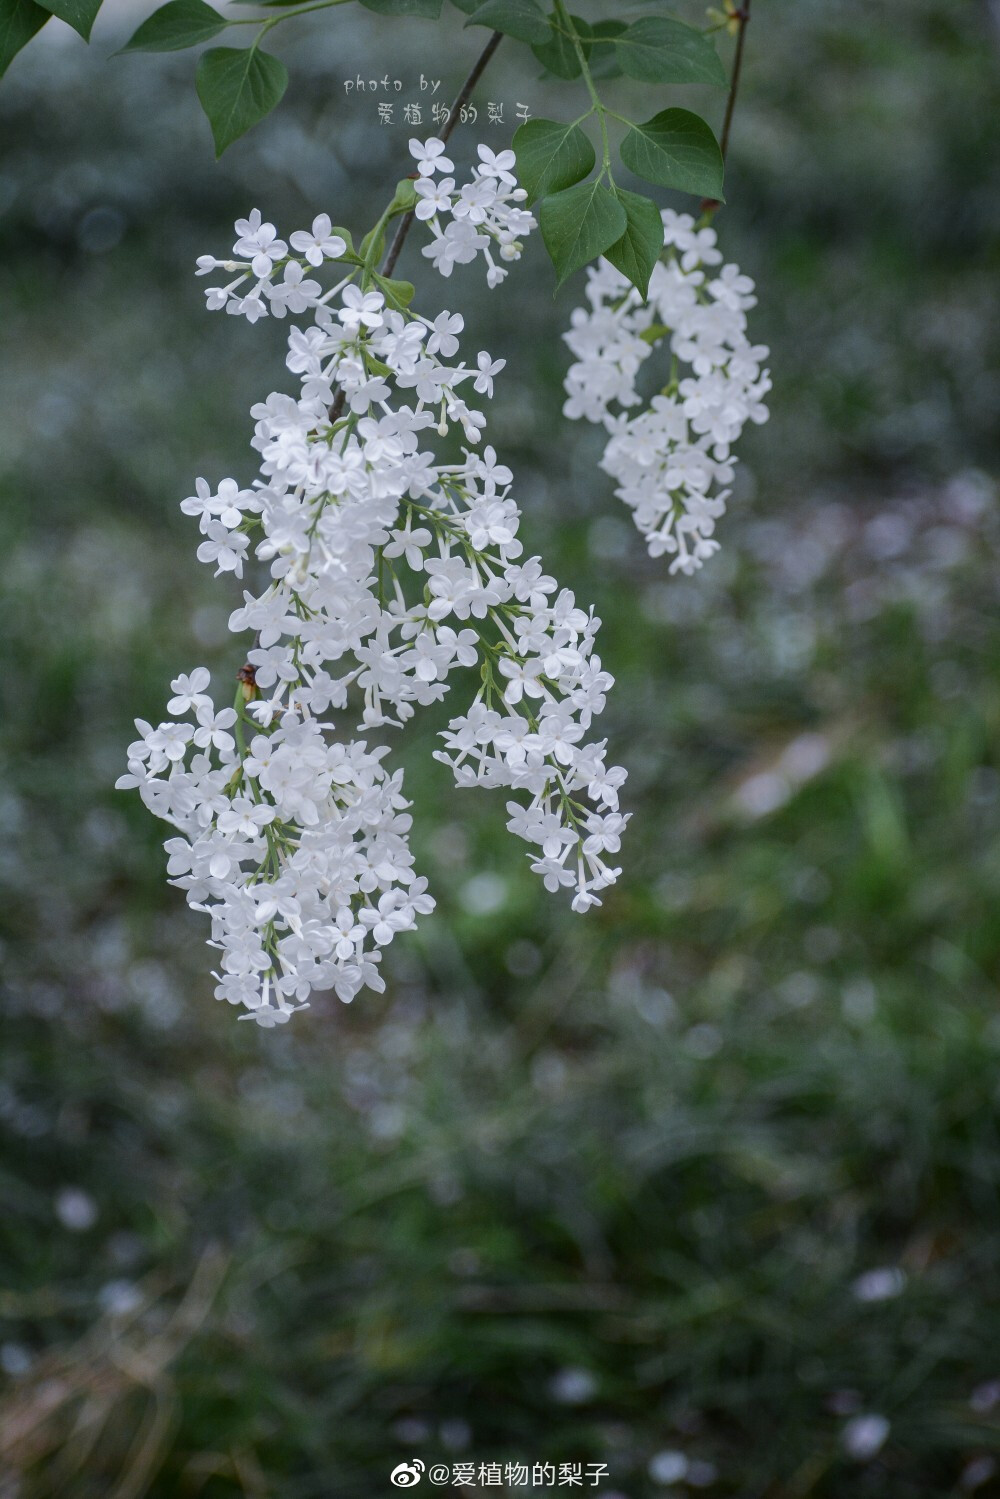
x,y
484,894
15,1359
977,1471
863,1437
669,1466
75,1209
573,1386
879,1285
318,243
429,156
985,1397
119,1298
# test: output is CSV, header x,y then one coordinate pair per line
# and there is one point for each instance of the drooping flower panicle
x,y
673,459
388,571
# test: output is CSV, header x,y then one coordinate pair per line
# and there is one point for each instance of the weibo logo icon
x,y
407,1475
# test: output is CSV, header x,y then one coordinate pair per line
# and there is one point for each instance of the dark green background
x,y
638,1158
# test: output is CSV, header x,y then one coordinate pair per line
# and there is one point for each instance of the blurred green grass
x,y
589,1190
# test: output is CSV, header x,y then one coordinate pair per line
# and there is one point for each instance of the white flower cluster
x,y
484,212
672,461
388,570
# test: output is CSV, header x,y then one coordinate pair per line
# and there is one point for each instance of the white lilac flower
x,y
672,458
429,156
385,571
318,243
499,165
487,212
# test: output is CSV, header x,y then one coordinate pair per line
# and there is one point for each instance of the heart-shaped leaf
x,y
80,14
551,157
602,58
676,149
522,19
658,50
579,224
19,20
237,88
558,54
638,250
429,8
179,23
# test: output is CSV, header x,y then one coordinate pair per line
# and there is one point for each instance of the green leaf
x,y
19,20
578,225
638,250
405,196
658,50
237,88
429,8
468,6
80,14
180,23
399,292
602,59
522,19
345,235
558,54
676,149
551,157
371,247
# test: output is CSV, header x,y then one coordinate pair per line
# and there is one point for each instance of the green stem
x,y
302,10
598,107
